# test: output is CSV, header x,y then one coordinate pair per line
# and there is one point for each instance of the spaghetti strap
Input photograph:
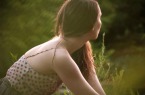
x,y
45,51
39,53
55,51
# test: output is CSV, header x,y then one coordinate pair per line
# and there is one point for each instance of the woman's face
x,y
97,26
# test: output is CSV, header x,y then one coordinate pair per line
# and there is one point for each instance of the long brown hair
x,y
75,18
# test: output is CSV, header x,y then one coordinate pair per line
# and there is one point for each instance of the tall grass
x,y
111,78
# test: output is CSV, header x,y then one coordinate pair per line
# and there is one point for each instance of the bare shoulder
x,y
62,57
61,53
64,63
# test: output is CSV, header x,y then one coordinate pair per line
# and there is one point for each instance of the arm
x,y
94,82
70,74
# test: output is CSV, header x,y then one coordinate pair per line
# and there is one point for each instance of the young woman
x,y
66,58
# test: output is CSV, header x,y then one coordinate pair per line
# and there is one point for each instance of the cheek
x,y
97,28
99,24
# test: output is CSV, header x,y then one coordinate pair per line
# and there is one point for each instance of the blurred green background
x,y
26,23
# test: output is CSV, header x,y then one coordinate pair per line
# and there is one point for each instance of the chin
x,y
94,37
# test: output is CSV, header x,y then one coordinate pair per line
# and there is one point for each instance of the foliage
x,y
123,18
24,24
112,80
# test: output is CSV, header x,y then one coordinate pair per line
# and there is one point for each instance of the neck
x,y
72,43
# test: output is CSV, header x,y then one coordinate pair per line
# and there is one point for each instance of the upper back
x,y
41,57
